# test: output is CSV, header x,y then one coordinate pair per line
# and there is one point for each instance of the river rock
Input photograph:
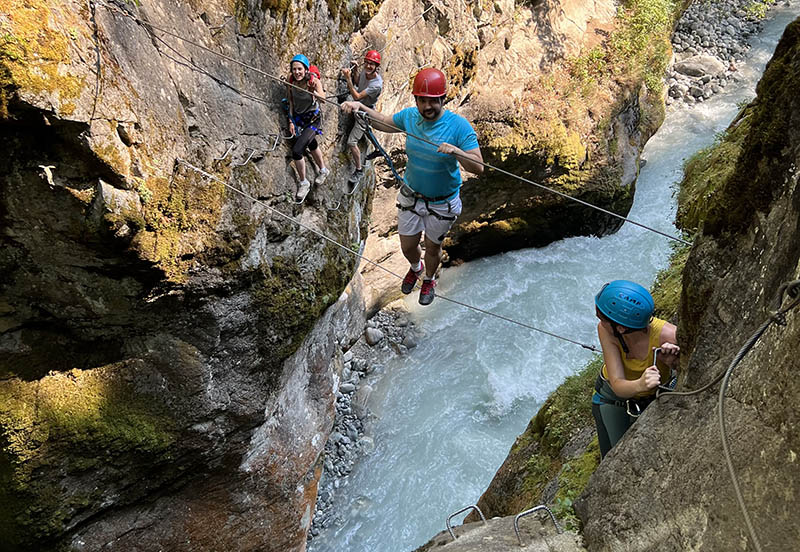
x,y
360,399
374,336
698,66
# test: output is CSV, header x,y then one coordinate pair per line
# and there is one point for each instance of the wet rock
x,y
374,336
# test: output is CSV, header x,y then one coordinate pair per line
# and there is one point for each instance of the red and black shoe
x,y
411,278
426,294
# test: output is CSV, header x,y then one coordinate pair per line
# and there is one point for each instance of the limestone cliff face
x,y
167,350
665,486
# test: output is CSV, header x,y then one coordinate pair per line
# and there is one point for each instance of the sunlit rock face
x,y
168,346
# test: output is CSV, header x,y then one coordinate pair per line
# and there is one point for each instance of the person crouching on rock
x,y
429,198
305,121
638,352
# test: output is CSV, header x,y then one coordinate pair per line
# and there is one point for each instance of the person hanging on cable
x,y
366,89
639,352
305,121
429,198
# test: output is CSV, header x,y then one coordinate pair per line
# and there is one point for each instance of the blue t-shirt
x,y
429,172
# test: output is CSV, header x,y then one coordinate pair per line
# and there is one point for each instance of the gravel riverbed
x,y
710,41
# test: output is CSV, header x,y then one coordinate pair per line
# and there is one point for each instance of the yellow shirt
x,y
635,367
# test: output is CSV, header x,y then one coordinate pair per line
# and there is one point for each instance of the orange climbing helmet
x,y
373,56
430,82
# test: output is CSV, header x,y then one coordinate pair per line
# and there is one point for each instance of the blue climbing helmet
x,y
302,59
625,303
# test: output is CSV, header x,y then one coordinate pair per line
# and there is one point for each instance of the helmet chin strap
x,y
620,339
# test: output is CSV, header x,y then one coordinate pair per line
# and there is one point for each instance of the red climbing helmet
x,y
430,82
314,70
373,56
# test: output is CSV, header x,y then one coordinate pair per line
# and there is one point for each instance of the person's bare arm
x,y
471,160
669,348
380,121
319,92
348,79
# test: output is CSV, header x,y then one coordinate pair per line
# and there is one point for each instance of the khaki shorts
x,y
411,223
359,129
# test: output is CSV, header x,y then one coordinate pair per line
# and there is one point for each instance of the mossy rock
x,y
535,458
34,58
81,424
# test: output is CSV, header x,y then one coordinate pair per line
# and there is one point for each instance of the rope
x,y
146,24
374,263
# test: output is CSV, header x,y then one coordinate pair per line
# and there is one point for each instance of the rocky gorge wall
x,y
563,93
156,389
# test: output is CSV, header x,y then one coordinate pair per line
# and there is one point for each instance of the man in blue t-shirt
x,y
429,198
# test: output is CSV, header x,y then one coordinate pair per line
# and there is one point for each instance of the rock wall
x,y
168,346
665,486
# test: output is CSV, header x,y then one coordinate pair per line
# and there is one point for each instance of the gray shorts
x,y
359,129
411,223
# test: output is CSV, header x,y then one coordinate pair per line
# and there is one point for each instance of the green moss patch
x,y
34,56
288,303
72,424
668,285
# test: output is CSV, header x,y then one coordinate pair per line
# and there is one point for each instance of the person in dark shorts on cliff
x,y
365,89
639,352
305,121
429,198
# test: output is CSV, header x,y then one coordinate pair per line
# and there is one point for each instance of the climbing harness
x,y
149,28
406,191
634,406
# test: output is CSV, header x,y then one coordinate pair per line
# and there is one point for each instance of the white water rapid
x,y
449,411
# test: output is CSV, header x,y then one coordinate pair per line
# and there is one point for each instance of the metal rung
x,y
246,161
528,512
274,142
462,510
338,205
227,152
218,27
356,187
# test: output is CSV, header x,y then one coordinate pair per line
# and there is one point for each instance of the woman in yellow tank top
x,y
629,335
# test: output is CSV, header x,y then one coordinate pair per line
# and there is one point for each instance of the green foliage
x,y
639,48
706,171
145,194
758,8
667,287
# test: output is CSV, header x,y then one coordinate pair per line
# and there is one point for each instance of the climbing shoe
x,y
302,191
355,177
411,279
323,174
426,294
